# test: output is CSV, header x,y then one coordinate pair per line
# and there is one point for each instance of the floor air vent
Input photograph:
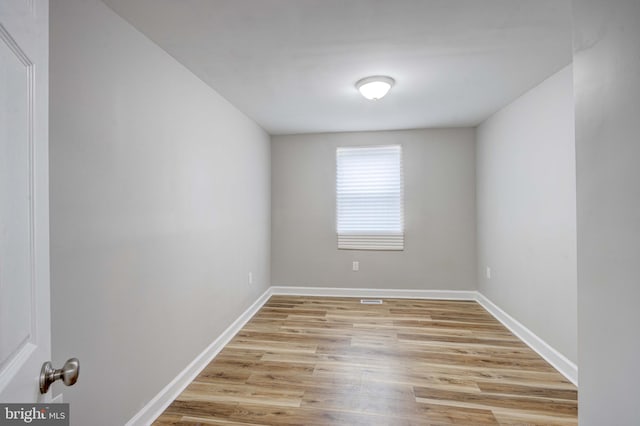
x,y
371,301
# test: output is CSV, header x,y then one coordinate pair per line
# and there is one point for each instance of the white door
x,y
25,335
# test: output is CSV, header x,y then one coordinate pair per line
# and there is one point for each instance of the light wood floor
x,y
333,361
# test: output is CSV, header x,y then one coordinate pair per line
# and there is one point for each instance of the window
x,y
369,198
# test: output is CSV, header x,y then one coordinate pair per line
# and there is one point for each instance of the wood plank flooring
x,y
334,361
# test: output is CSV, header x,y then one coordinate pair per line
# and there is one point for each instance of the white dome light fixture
x,y
375,87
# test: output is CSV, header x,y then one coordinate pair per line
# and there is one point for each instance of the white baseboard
x,y
564,366
374,292
161,401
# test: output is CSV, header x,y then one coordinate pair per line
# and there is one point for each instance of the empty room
x,y
319,212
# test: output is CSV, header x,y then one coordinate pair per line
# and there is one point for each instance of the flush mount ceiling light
x,y
375,87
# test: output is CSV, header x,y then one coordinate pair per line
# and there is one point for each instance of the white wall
x,y
607,88
439,173
527,211
159,209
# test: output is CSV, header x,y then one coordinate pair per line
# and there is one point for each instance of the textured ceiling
x,y
291,65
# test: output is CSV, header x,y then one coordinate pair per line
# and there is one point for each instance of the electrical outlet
x,y
488,273
356,265
250,278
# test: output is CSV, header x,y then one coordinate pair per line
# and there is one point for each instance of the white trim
x,y
15,363
161,401
564,366
374,292
371,241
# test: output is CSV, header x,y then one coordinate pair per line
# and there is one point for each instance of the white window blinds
x,y
369,198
